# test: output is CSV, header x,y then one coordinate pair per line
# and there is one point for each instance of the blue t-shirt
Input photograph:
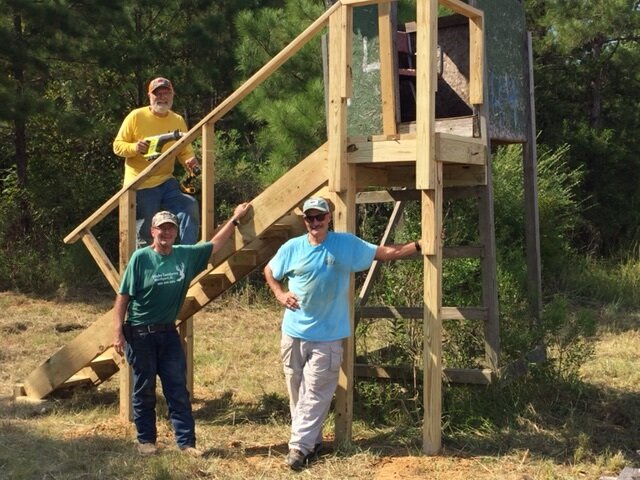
x,y
319,276
157,284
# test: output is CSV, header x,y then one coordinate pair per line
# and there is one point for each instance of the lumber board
x,y
102,260
403,373
337,112
468,251
71,358
463,126
344,220
476,59
462,8
426,85
388,66
448,149
207,202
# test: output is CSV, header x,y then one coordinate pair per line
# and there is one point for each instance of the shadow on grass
x,y
567,421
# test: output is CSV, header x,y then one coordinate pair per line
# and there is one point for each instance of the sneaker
x,y
146,448
191,451
296,459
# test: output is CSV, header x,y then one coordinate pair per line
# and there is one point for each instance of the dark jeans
x,y
167,196
160,353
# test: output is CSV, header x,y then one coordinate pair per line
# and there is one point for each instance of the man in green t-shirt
x,y
151,293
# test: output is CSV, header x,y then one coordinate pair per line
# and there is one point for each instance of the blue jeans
x,y
167,196
160,353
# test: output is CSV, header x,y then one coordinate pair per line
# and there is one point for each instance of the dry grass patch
x,y
242,423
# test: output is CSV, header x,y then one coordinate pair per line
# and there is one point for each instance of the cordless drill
x,y
187,183
156,142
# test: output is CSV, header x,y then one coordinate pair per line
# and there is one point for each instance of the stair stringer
x,y
273,205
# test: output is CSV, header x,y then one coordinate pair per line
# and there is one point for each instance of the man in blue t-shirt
x,y
152,291
317,266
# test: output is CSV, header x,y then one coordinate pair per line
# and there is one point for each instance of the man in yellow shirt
x,y
161,190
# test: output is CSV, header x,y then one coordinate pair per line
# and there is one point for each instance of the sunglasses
x,y
319,217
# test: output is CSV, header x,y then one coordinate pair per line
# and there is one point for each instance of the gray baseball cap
x,y
164,217
315,203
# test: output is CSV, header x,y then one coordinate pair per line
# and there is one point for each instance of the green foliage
x,y
288,108
587,97
567,336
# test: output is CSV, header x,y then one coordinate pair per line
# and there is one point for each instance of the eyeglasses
x,y
319,217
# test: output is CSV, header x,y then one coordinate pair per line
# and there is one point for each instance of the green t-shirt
x,y
157,284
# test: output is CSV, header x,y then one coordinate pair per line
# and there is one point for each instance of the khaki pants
x,y
311,371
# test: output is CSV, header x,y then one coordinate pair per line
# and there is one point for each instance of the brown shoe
x,y
191,451
146,448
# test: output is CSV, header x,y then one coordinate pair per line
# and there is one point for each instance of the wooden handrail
x,y
231,101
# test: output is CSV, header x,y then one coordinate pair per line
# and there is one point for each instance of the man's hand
x,y
192,163
289,300
241,210
142,147
118,342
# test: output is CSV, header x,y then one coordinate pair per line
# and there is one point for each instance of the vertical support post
x,y
429,180
342,181
476,60
186,336
532,218
340,47
344,220
127,245
388,70
432,325
208,181
426,85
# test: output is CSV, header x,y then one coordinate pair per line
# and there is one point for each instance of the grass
x,y
537,428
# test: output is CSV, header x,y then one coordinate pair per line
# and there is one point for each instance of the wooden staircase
x,y
89,358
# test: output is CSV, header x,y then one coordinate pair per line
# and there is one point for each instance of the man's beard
x,y
161,108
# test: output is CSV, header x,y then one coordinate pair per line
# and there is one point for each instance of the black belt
x,y
153,328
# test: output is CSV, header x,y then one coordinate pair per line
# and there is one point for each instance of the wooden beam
x,y
432,326
388,67
426,85
462,8
475,376
70,359
105,265
344,220
476,60
448,149
467,251
127,245
456,149
337,114
531,211
394,218
208,182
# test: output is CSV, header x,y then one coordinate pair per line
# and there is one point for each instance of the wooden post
x,y
429,179
340,47
127,226
342,180
208,181
388,69
532,219
426,85
344,220
432,325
